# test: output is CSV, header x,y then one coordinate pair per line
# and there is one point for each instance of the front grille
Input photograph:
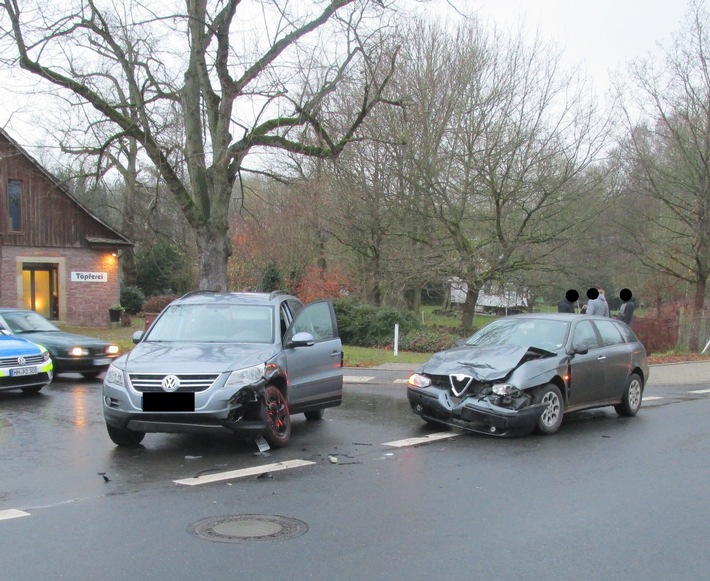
x,y
444,382
29,360
194,382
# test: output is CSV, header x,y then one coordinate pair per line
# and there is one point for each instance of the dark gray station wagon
x,y
525,372
240,362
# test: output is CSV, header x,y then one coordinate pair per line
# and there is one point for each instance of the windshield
x,y
214,323
523,332
27,322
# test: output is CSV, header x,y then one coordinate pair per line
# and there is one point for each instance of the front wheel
x,y
124,437
631,400
551,418
278,418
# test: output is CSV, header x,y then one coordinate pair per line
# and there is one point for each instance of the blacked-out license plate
x,y
169,402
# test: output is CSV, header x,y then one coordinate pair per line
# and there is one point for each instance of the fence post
x,y
396,339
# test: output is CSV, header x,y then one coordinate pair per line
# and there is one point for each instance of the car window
x,y
610,334
317,320
627,333
27,321
214,323
584,336
523,332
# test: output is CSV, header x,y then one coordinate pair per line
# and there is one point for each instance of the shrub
x,y
132,299
427,340
367,326
157,303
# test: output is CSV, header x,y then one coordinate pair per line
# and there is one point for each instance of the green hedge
x,y
367,326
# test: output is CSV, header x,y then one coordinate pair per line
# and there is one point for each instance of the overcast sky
x,y
605,34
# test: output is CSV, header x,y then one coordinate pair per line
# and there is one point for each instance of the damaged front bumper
x,y
475,413
239,411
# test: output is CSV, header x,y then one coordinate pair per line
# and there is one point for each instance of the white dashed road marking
x,y
651,397
244,472
356,378
12,513
700,391
401,380
421,440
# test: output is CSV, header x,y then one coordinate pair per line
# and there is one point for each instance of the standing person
x,y
626,311
566,304
597,304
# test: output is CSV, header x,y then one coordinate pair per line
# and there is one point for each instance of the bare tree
x,y
667,149
503,143
234,91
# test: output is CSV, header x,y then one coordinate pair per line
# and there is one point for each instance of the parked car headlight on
x,y
78,352
112,350
115,376
418,380
504,389
245,376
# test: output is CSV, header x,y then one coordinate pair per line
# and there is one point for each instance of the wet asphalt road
x,y
604,498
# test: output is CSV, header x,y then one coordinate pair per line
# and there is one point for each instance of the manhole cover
x,y
240,528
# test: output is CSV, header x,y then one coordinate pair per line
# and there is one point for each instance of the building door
x,y
39,289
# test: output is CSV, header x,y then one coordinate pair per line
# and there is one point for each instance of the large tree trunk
x,y
697,315
469,308
214,250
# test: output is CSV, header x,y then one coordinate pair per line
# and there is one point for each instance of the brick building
x,y
56,257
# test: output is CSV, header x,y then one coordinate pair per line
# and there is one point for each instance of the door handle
x,y
335,354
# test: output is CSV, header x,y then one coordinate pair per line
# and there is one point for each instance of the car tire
x,y
551,419
90,374
631,399
33,390
277,416
124,437
314,415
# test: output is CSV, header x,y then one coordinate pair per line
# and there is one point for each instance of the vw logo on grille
x,y
459,383
170,383
21,361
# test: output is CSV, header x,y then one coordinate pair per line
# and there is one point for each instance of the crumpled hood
x,y
167,357
482,363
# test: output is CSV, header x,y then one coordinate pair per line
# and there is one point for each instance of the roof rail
x,y
197,292
276,293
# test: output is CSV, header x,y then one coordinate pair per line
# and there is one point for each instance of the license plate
x,y
169,402
104,361
23,371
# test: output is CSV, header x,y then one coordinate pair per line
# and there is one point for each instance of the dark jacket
x,y
626,312
565,306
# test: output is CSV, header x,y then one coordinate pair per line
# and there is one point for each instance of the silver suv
x,y
241,362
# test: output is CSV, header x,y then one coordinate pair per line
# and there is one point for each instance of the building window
x,y
14,199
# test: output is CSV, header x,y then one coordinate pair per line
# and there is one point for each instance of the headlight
x,y
418,380
112,350
78,352
114,375
504,389
245,376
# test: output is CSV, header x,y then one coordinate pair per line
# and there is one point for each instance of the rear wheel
x,y
631,400
551,418
278,418
32,390
124,437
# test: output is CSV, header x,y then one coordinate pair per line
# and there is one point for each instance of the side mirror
x,y
301,339
579,350
137,336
